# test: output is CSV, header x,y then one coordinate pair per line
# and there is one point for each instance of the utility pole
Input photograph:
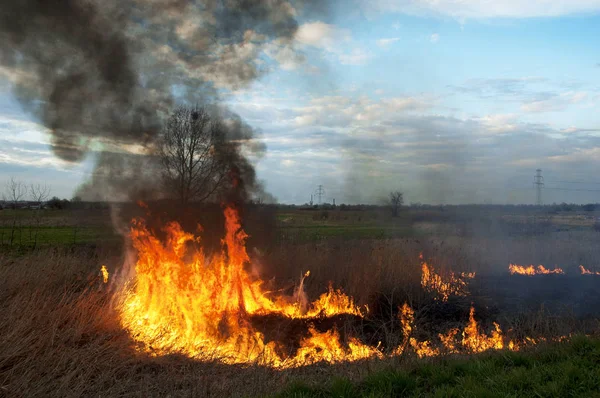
x,y
538,181
311,199
320,193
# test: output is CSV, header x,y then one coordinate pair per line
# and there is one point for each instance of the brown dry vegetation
x,y
61,337
60,334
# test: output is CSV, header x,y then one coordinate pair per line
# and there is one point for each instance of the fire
x,y
423,348
475,341
184,301
326,347
587,272
407,318
472,340
531,270
104,272
454,285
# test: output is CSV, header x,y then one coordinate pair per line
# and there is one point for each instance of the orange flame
x,y
587,272
104,272
407,318
423,348
475,341
326,347
187,302
472,340
531,270
454,285
184,301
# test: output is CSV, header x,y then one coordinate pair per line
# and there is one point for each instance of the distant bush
x,y
57,204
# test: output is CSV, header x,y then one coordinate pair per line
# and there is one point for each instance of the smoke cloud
x,y
102,75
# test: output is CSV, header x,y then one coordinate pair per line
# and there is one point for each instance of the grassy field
x,y
93,226
47,228
568,370
70,342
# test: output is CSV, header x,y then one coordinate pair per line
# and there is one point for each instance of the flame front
x,y
472,340
453,285
184,301
531,270
187,302
587,272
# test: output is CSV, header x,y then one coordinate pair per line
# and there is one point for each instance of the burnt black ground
x,y
556,294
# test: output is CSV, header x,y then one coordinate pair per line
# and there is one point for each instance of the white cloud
x,y
476,9
386,42
402,140
578,155
330,38
434,38
575,97
333,40
320,34
570,130
343,112
357,56
305,120
575,130
18,157
499,123
17,130
555,103
285,54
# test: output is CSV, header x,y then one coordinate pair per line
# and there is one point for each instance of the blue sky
x,y
449,101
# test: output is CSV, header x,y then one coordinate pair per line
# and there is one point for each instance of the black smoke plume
x,y
101,75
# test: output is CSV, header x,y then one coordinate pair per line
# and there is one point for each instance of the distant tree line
x,y
28,203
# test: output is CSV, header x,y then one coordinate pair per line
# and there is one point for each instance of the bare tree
x,y
39,194
14,192
396,201
190,152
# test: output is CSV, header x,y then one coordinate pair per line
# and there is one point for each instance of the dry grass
x,y
60,336
367,268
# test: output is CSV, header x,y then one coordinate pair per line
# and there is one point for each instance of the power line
x,y
538,181
320,192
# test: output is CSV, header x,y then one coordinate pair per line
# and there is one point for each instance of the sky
x,y
448,101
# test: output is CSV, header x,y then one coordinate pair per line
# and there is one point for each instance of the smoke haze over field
x,y
449,102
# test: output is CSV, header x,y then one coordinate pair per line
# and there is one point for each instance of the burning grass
x,y
444,288
72,341
541,270
585,271
61,336
166,310
531,270
183,301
